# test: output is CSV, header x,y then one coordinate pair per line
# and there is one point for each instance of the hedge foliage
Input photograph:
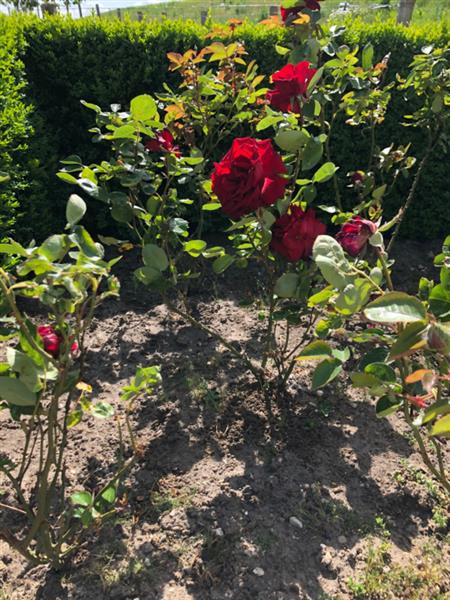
x,y
105,61
14,129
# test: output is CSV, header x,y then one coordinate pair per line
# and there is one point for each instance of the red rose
x,y
163,143
248,176
354,234
294,233
290,82
287,12
52,340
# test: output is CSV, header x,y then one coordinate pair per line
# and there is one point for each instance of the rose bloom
x,y
52,340
163,143
294,233
287,12
290,82
354,235
248,177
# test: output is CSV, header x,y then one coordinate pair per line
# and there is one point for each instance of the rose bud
x,y
354,235
358,177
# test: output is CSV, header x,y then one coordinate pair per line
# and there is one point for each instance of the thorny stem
x,y
328,153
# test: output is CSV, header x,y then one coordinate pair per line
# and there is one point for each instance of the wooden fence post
x,y
203,16
140,15
97,10
119,14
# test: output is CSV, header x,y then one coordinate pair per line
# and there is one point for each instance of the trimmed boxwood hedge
x,y
106,61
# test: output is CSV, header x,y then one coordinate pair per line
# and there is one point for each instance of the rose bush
x,y
41,387
275,198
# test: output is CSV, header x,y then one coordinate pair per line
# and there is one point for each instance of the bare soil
x,y
216,507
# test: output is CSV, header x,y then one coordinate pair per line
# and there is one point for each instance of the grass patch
x,y
427,578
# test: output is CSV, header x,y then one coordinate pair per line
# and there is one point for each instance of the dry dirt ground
x,y
216,510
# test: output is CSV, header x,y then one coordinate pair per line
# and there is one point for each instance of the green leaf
x,y
82,499
147,275
154,256
25,367
395,307
15,392
222,263
67,177
291,140
281,50
54,247
386,406
375,355
121,209
286,286
353,297
312,154
143,108
325,372
109,494
383,371
211,206
325,172
75,209
194,247
362,380
441,427
268,122
316,350
84,241
367,57
411,338
439,300
13,248
331,260
124,132
102,410
74,418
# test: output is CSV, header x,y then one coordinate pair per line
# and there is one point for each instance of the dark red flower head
x,y
52,340
248,177
294,233
163,143
354,234
290,82
358,177
294,10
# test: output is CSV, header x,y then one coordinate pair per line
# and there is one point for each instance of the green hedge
x,y
14,130
104,61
